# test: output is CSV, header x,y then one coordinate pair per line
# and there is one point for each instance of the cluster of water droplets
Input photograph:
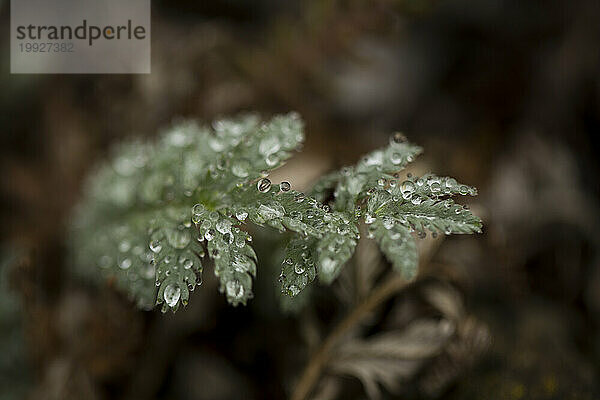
x,y
427,191
175,255
297,268
247,149
228,246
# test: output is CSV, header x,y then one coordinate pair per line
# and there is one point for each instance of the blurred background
x,y
502,94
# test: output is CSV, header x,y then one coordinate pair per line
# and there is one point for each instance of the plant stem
x,y
319,360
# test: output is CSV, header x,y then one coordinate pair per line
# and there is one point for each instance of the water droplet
x,y
223,226
124,166
269,145
186,262
241,168
240,241
396,158
171,295
148,271
210,234
451,184
178,239
464,189
124,246
381,182
435,187
328,265
228,237
234,289
125,263
416,200
299,268
216,144
421,235
263,185
398,138
198,209
271,211
407,189
388,222
271,160
241,215
285,186
375,158
296,215
369,219
155,246
343,230
294,290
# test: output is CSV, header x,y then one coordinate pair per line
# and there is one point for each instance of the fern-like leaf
x,y
154,214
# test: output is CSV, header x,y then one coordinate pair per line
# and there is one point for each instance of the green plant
x,y
152,216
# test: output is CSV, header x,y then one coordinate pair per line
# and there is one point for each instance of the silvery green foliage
x,y
395,208
157,211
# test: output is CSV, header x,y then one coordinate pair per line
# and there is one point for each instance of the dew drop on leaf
x,y
124,246
328,265
125,263
241,168
271,211
285,186
210,234
241,215
271,160
263,185
171,295
155,246
234,289
223,226
269,145
178,239
451,183
407,188
293,290
198,209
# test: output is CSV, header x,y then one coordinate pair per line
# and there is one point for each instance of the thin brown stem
x,y
319,360
379,295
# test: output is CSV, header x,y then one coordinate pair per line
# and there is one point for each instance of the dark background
x,y
502,94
